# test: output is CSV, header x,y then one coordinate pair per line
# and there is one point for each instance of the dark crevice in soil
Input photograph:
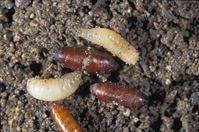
x,y
2,87
137,124
157,124
195,109
43,52
9,14
86,9
145,25
47,113
35,68
171,109
65,70
132,22
84,90
114,77
36,123
177,125
157,97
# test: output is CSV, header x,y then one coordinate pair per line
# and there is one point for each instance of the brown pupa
x,y
115,93
111,41
62,118
90,60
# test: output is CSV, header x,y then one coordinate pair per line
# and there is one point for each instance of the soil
x,y
166,34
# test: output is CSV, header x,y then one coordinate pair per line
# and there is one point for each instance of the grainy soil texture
x,y
165,33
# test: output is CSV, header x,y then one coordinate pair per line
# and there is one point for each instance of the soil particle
x,y
166,34
195,98
22,3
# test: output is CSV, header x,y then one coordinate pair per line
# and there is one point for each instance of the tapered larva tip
x,y
56,54
137,57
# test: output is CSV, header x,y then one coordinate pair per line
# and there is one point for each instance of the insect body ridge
x,y
63,119
115,93
54,89
111,41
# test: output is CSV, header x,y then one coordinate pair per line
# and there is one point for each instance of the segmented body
x,y
84,59
115,93
62,118
111,41
54,89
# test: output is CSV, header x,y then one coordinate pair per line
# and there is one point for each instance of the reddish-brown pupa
x,y
82,59
115,93
63,119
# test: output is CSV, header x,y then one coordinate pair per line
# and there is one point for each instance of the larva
x,y
54,89
111,41
62,118
115,93
89,60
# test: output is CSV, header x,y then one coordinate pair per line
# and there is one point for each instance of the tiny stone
x,y
32,15
135,119
168,67
168,82
127,112
195,100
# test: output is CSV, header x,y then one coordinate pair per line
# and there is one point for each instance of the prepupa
x,y
111,41
54,89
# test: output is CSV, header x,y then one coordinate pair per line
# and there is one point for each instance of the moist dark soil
x,y
166,34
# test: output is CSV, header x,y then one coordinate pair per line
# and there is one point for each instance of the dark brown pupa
x,y
115,93
89,60
62,118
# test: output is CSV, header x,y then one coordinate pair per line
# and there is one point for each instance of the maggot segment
x,y
54,89
111,41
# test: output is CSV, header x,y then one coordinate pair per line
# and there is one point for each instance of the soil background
x,y
166,34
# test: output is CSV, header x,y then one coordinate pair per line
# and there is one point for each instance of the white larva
x,y
54,89
111,41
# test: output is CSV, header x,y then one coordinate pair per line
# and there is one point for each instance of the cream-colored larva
x,y
111,41
54,89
